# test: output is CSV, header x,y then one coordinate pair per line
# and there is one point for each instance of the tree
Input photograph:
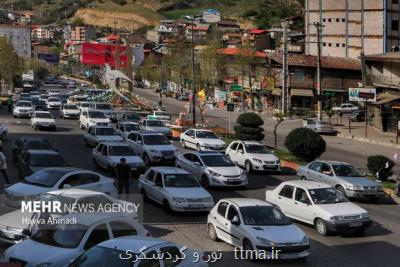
x,y
78,21
279,119
249,127
305,144
10,64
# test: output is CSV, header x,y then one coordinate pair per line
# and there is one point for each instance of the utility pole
x,y
285,70
319,78
193,77
129,61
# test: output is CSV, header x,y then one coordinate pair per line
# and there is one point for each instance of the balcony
x,y
391,81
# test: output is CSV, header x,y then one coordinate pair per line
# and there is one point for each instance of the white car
x,y
70,111
103,107
23,109
53,103
3,132
319,205
93,118
50,179
95,135
84,106
156,126
212,169
159,115
200,139
152,147
345,108
174,188
59,244
108,154
127,247
257,227
43,119
253,156
124,128
12,225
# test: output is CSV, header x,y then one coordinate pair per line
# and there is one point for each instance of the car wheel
x,y
248,166
303,177
198,147
247,246
341,190
146,160
321,227
205,182
167,206
212,233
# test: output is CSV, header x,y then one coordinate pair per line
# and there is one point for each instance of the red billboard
x,y
100,54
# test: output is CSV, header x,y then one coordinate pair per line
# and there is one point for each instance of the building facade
x,y
20,37
351,26
79,33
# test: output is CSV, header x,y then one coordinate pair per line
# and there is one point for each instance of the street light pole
x,y
193,77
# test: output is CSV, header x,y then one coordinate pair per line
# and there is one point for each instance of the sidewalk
x,y
374,136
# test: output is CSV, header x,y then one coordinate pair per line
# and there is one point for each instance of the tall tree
x,y
10,64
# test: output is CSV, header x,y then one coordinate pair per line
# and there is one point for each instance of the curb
x,y
390,194
289,164
367,140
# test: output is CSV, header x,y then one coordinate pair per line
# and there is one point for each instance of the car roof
x,y
244,202
169,170
248,142
75,191
132,243
206,152
147,132
38,151
101,127
32,138
333,162
203,130
111,143
307,184
128,122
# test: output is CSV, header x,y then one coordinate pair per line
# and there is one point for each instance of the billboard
x,y
362,94
49,58
100,54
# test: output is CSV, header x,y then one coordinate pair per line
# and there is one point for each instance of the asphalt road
x,y
379,247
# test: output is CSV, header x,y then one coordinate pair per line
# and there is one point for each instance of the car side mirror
x,y
139,142
241,151
235,220
26,232
65,186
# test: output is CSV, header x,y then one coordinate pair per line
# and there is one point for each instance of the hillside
x,y
134,14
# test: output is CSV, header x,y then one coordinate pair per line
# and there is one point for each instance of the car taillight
x,y
149,234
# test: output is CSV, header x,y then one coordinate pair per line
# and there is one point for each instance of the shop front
x,y
387,111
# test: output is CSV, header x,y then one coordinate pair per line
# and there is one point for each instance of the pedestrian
x,y
123,172
3,165
9,103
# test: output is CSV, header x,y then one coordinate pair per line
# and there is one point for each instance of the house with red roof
x,y
260,39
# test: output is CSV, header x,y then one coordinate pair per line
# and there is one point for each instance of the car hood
x,y
22,189
204,141
54,103
158,129
192,192
100,120
14,219
266,157
36,253
129,160
162,147
358,181
227,171
345,208
45,120
23,108
74,111
105,138
278,234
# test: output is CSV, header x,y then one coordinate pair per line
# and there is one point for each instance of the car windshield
x,y
38,145
105,131
346,171
132,117
46,160
84,105
103,257
155,140
71,107
263,215
24,104
61,235
97,115
257,149
121,151
43,115
180,180
324,123
53,99
206,134
217,161
64,200
326,196
103,106
132,127
46,178
156,124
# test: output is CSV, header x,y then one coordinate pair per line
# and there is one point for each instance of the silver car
x,y
318,126
343,176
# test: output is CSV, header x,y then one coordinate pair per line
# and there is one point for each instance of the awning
x,y
386,98
333,90
301,92
277,92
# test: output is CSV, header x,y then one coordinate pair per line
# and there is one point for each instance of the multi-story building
x,y
20,37
79,33
353,26
260,39
42,32
200,32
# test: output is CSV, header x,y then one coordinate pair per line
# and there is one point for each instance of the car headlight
x,y
365,216
208,199
354,187
265,242
213,173
337,218
178,199
305,241
44,264
257,160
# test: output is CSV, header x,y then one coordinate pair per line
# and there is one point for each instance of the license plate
x,y
233,180
369,192
196,206
355,224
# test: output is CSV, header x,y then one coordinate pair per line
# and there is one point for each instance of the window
x,y
395,1
324,44
122,229
80,179
151,260
100,148
337,45
132,137
98,235
301,196
329,20
329,44
326,169
315,166
190,133
337,20
158,179
232,212
195,158
174,260
188,156
343,45
234,146
287,191
343,20
323,20
240,148
395,25
150,175
222,208
88,178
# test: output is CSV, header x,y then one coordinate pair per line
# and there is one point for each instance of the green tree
x,y
305,144
249,127
10,64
